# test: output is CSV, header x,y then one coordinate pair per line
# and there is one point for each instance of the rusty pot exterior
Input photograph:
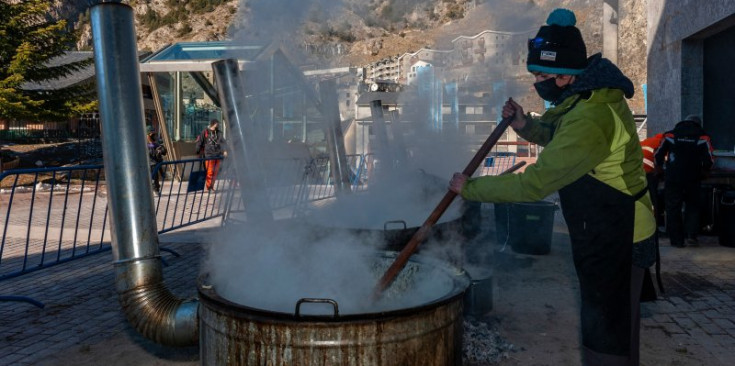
x,y
432,337
424,335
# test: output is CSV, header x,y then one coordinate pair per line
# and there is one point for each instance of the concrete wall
x,y
631,51
676,33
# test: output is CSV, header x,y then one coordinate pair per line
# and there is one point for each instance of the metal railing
x,y
184,200
293,183
496,163
50,216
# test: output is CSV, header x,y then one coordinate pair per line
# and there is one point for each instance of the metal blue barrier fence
x,y
184,200
50,216
293,182
53,215
497,162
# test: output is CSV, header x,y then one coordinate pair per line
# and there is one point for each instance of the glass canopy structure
x,y
282,104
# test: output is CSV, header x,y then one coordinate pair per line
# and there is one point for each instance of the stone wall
x,y
632,48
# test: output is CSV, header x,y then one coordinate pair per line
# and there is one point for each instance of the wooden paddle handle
x,y
515,167
423,231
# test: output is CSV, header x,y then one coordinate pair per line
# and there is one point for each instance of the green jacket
x,y
596,137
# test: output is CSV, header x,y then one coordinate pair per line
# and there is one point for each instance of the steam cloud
x,y
273,267
278,20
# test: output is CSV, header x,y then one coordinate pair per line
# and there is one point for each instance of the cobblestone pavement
x,y
697,313
692,323
535,308
82,313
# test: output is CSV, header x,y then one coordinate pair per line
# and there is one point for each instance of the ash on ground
x,y
482,344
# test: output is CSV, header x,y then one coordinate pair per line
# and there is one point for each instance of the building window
x,y
473,110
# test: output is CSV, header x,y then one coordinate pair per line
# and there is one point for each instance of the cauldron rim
x,y
316,218
461,282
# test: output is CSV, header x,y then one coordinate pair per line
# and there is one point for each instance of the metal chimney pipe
x,y
335,137
399,144
147,303
382,149
248,167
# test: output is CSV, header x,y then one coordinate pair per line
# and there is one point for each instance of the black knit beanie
x,y
558,47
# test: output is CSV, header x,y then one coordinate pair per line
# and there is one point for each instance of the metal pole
x,y
335,138
271,98
382,151
178,105
148,304
248,166
304,113
399,143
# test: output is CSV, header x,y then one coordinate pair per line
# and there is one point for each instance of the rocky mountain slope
x,y
358,32
368,30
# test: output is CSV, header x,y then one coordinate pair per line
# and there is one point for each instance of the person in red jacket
x,y
649,147
685,154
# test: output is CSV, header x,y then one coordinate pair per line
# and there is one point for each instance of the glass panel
x,y
164,83
205,51
279,99
198,108
279,106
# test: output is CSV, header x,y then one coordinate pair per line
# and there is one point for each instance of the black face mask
x,y
548,90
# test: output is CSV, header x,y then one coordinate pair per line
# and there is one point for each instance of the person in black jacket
x,y
156,153
686,155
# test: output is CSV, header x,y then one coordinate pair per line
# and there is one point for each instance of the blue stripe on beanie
x,y
554,70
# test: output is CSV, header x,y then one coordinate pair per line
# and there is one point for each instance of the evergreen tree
x,y
30,44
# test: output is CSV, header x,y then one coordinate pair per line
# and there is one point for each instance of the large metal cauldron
x,y
428,334
389,219
394,234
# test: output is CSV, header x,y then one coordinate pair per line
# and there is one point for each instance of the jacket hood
x,y
688,128
600,73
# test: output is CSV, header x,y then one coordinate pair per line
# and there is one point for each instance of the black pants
x,y
656,199
601,222
157,177
593,358
680,192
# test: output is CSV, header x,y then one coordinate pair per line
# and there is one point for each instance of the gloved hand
x,y
511,108
457,183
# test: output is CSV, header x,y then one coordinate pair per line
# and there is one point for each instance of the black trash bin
x,y
502,211
471,220
726,228
478,299
531,227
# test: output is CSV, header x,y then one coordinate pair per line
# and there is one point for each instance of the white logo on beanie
x,y
548,55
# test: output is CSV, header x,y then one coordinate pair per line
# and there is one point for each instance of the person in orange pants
x,y
211,144
212,167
